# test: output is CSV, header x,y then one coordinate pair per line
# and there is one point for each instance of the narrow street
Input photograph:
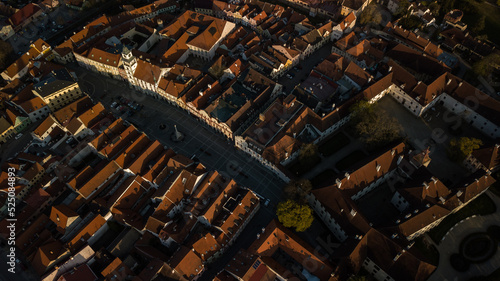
x,y
218,153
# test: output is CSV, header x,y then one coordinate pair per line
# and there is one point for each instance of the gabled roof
x,y
121,142
24,13
206,39
383,252
206,246
92,116
488,156
147,72
46,255
80,239
347,21
357,74
104,57
95,181
133,150
80,273
21,62
63,217
33,104
140,166
186,264
116,270
372,171
276,236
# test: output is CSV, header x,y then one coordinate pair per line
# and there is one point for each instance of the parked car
x,y
18,136
289,76
114,104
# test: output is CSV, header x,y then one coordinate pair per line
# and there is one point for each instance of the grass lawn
x,y
334,144
325,177
494,276
492,25
350,160
483,205
428,251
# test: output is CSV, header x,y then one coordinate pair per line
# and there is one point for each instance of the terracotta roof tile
x,y
63,217
87,232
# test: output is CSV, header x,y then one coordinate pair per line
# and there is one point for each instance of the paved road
x,y
13,146
19,274
223,155
219,154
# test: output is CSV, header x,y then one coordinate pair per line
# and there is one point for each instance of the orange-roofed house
x,y
205,41
89,234
384,259
20,67
80,273
48,255
117,271
65,218
185,265
26,15
36,108
344,27
88,183
275,254
486,158
101,61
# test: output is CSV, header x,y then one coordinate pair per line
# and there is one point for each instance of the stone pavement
x,y
450,244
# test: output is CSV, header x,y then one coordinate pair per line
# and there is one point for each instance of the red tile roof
x,y
87,232
24,13
63,217
81,273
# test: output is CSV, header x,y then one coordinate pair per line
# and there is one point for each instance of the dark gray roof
x,y
55,81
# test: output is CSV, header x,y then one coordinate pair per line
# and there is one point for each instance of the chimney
x,y
338,182
347,175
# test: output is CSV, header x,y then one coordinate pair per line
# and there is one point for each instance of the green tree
x,y
479,25
217,71
373,125
459,149
486,66
6,55
403,8
292,214
370,15
447,6
297,190
434,7
308,155
410,22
